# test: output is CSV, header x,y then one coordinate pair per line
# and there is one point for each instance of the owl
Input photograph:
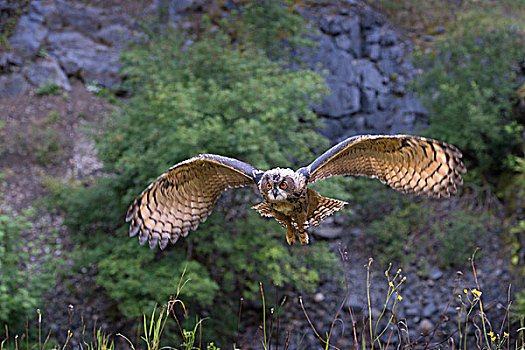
x,y
185,195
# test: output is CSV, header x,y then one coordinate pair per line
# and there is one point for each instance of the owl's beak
x,y
274,193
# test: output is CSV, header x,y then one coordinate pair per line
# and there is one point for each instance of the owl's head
x,y
278,184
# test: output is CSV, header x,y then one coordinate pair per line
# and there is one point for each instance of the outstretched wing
x,y
406,163
184,196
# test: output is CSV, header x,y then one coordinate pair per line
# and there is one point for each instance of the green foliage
x,y
207,97
468,86
49,89
22,282
17,300
45,143
415,228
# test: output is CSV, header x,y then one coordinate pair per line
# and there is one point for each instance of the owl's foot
x,y
303,237
290,236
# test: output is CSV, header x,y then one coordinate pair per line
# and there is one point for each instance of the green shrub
x,y
418,230
49,89
468,87
22,282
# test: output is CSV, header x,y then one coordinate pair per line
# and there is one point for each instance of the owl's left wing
x,y
184,196
409,164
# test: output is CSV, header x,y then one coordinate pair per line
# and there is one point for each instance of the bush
x,y
22,283
207,97
468,87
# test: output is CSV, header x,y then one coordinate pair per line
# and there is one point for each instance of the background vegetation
x,y
224,90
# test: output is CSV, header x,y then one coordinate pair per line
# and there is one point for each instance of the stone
x,y
328,232
385,101
114,35
368,100
12,85
370,77
319,297
379,122
426,326
373,36
373,51
352,27
343,100
343,42
332,128
388,67
46,71
28,37
430,310
435,273
330,26
410,103
80,56
388,38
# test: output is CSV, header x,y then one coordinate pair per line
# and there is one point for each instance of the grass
x,y
49,89
369,333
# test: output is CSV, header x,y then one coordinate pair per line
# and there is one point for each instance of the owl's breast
x,y
290,207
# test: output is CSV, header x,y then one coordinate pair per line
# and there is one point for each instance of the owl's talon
x,y
303,238
290,237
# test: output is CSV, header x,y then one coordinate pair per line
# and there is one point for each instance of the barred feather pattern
x,y
323,208
409,164
184,196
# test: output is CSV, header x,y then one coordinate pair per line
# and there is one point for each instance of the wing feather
x,y
409,164
184,196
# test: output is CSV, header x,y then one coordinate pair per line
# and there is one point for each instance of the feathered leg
x,y
290,229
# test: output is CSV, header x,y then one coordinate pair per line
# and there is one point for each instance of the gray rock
x,y
343,42
435,273
328,232
373,51
370,77
341,67
330,26
368,100
385,101
373,36
426,326
46,71
28,37
351,26
12,85
319,297
86,59
388,67
43,7
332,129
114,35
388,38
343,100
378,122
411,103
430,310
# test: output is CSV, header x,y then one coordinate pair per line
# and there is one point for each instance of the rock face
x,y
367,70
363,59
57,39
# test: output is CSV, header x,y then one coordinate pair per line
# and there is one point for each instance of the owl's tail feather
x,y
319,207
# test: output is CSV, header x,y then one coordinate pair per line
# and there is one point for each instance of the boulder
x,y
47,71
82,57
12,85
28,37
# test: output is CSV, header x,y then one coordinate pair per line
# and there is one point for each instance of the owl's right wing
x,y
409,164
184,196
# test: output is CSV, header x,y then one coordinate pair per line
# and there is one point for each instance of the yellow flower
x,y
386,273
399,271
476,292
505,335
399,297
493,338
390,284
490,334
404,279
465,291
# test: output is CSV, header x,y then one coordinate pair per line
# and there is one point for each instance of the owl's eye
x,y
268,186
283,185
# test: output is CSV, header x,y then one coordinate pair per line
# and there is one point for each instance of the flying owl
x,y
185,195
